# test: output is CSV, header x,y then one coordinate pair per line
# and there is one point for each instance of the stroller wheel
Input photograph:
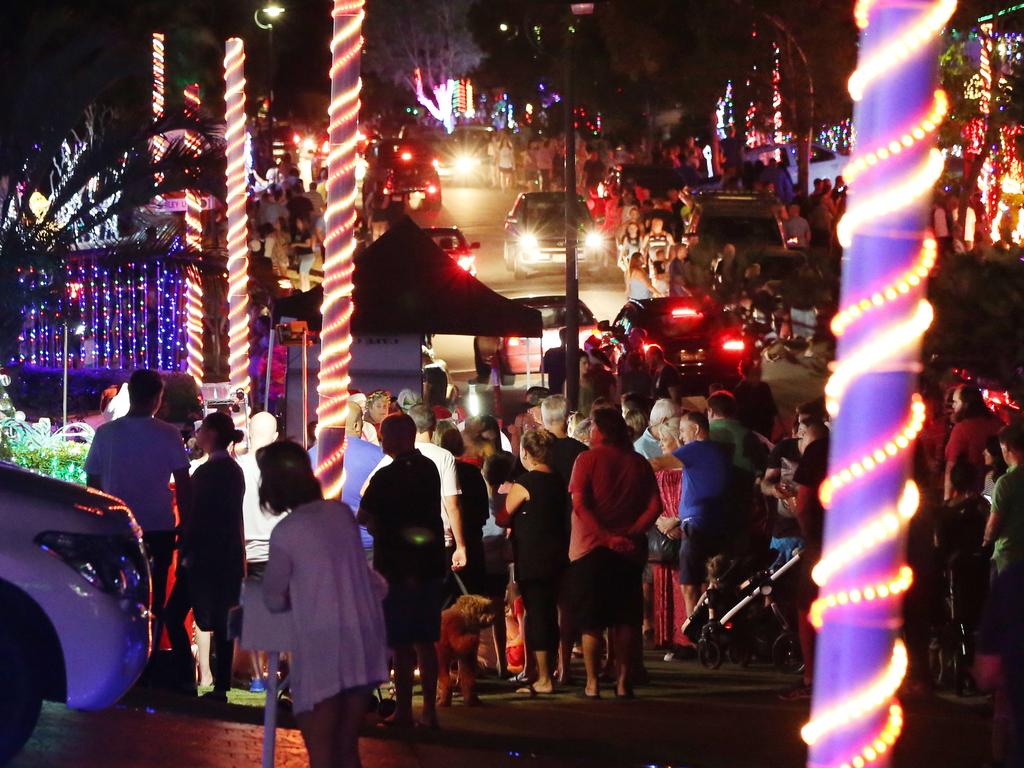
x,y
786,655
709,653
739,654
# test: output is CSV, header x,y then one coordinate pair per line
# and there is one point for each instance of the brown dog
x,y
460,641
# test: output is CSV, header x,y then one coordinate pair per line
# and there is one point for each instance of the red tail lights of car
x,y
514,342
468,263
406,156
432,189
686,312
734,345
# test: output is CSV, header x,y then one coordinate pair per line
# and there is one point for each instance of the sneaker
x,y
216,695
257,686
800,693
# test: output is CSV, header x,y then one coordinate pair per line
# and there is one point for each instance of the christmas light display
x,y
159,144
339,244
777,136
724,118
194,244
860,662
238,247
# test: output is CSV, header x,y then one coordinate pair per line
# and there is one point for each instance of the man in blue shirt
x,y
704,515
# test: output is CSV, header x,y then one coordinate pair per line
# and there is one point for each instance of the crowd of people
x,y
589,532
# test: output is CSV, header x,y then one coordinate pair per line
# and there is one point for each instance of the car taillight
x,y
734,345
406,156
431,189
436,163
296,139
467,262
514,342
685,312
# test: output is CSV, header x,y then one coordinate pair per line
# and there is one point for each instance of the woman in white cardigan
x,y
318,571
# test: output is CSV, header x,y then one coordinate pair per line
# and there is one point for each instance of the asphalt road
x,y
480,214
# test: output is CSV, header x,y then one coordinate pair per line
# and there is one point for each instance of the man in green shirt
x,y
1005,528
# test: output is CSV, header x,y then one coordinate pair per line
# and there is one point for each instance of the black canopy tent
x,y
404,283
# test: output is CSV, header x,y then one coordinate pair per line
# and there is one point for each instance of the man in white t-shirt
x,y
451,512
134,458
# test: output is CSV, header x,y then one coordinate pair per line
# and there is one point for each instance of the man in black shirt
x,y
755,404
593,170
554,411
401,508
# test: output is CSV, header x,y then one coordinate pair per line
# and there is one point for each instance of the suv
x,y
404,169
74,596
698,336
535,236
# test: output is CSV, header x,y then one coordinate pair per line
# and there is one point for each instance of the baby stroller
x,y
742,619
964,586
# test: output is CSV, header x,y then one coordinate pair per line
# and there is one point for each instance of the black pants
x,y
540,601
160,546
178,606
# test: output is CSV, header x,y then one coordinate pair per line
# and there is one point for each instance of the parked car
x,y
535,236
517,354
825,163
453,242
74,597
698,336
404,169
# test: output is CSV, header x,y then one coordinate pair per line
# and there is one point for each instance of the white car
x,y
74,600
825,164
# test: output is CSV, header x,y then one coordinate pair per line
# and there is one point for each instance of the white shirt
x,y
939,223
134,457
445,463
257,524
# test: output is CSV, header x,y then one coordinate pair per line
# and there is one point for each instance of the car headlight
x,y
529,242
465,163
594,241
112,564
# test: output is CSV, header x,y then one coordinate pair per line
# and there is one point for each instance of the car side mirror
x,y
604,326
511,220
474,245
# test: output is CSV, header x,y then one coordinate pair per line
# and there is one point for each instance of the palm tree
x,y
73,161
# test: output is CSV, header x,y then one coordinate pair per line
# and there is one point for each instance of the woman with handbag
x,y
663,548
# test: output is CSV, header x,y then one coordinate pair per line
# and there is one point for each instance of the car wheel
x,y
21,700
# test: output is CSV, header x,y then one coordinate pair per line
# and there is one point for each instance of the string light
x,y
902,285
861,703
339,243
238,249
920,131
855,719
895,198
889,343
891,587
159,144
903,46
194,244
776,95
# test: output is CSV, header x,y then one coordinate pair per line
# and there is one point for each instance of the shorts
x,y
606,590
412,613
255,571
696,548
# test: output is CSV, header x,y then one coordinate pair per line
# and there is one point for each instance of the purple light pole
x,y
860,660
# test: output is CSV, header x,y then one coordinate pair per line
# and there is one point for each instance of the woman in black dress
x,y
211,561
535,511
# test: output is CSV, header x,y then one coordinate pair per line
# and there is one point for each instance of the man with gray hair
x,y
451,512
648,444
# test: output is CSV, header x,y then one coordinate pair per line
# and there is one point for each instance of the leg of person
x,y
541,629
500,635
319,728
225,657
692,567
178,606
160,545
203,656
426,653
405,665
592,647
623,638
352,710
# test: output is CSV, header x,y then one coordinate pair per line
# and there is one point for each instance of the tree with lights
x,y
71,165
424,45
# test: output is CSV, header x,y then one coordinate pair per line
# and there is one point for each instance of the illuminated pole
x,y
194,245
860,661
238,248
339,244
159,81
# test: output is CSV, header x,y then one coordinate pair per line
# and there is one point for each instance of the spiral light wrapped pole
x,y
862,575
238,247
159,143
194,245
339,244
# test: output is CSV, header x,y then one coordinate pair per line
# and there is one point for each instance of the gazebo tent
x,y
405,284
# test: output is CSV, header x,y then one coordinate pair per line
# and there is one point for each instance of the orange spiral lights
x,y
159,143
339,244
860,662
193,244
238,248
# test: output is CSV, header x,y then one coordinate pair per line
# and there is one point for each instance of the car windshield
x,y
448,239
406,151
553,315
547,212
739,229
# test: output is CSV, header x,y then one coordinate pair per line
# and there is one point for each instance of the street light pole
x,y
572,278
271,11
